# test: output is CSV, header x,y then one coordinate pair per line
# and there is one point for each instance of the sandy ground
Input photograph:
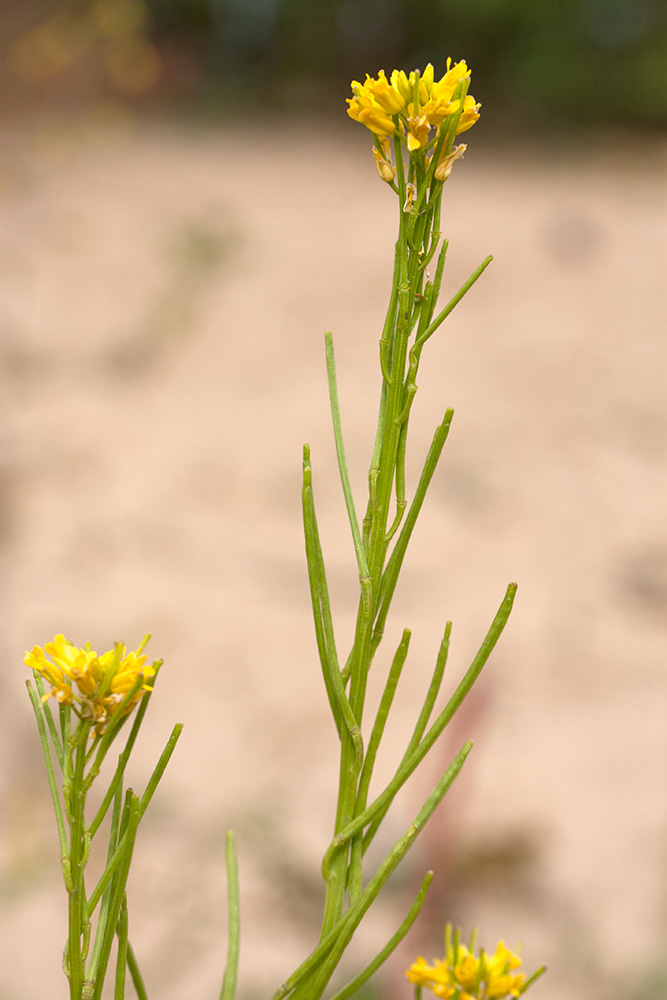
x,y
162,309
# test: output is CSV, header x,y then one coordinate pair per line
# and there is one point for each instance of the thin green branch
x,y
319,595
48,715
129,825
228,990
411,761
390,576
159,769
314,987
122,763
77,861
355,984
420,726
384,708
135,974
121,953
51,777
453,302
342,463
356,848
531,979
433,690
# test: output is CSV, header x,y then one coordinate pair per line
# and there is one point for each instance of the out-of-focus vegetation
x,y
549,61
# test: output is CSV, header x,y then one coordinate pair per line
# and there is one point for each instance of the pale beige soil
x,y
162,305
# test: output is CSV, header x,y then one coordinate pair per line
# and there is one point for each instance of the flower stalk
x,y
414,120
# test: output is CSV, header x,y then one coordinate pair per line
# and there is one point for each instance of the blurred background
x,y
185,208
578,62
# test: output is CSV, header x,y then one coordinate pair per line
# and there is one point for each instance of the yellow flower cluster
x,y
102,682
460,975
420,102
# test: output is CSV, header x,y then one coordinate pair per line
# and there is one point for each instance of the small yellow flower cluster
x,y
102,681
421,103
460,975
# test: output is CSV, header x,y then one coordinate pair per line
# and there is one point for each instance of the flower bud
x,y
384,168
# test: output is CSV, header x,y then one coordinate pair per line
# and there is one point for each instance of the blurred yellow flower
x,y
111,37
95,686
464,976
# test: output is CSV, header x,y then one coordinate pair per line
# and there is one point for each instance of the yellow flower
x,y
386,95
405,85
462,976
418,134
95,686
366,109
465,969
505,986
421,103
496,972
469,115
441,101
436,976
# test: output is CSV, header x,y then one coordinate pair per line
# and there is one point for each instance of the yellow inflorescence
x,y
420,102
102,682
461,975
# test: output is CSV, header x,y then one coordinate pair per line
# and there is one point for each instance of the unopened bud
x,y
385,170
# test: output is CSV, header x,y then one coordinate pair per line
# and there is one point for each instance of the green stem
x,y
103,887
48,715
159,769
319,596
122,763
390,576
313,988
356,848
121,954
411,760
531,979
410,317
77,860
342,463
396,938
135,974
129,824
453,302
51,777
381,719
229,982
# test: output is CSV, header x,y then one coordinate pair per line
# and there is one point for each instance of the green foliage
x,y
559,61
547,63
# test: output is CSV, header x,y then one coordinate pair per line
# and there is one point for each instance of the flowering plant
x,y
101,692
414,120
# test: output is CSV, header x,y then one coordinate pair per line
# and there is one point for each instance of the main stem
x,y
77,863
415,245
